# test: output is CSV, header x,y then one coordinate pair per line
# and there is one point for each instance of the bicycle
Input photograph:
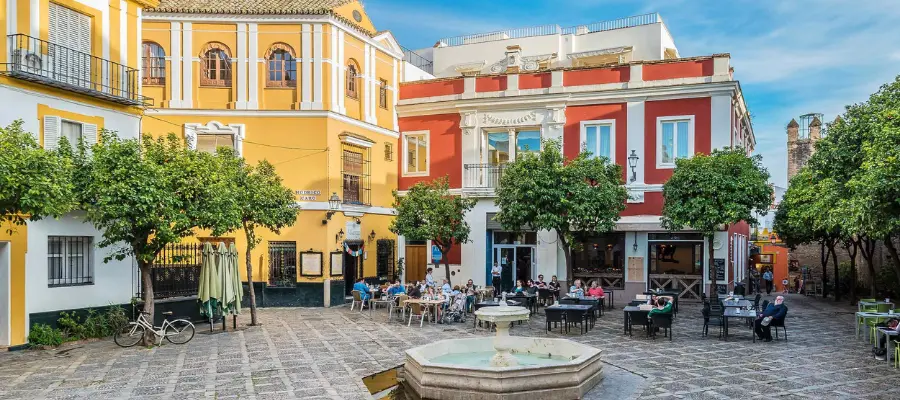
x,y
179,331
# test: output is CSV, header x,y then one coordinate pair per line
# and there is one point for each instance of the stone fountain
x,y
503,367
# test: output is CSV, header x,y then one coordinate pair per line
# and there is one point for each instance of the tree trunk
x,y
824,260
837,272
889,243
867,245
713,284
248,258
852,248
147,285
444,252
567,253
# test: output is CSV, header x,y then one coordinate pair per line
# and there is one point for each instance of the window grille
x,y
382,94
70,261
283,264
355,171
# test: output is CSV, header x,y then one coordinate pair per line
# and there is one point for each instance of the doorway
x,y
5,312
416,261
352,267
517,263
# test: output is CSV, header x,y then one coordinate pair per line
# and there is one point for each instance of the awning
x,y
631,223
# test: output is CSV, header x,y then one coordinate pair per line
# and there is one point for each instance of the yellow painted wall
x,y
279,98
214,97
354,49
346,11
18,242
159,33
384,69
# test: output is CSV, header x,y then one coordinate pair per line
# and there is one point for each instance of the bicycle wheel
x,y
129,334
179,331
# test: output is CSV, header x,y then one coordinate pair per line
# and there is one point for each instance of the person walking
x,y
768,277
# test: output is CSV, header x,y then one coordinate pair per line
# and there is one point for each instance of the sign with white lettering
x,y
308,195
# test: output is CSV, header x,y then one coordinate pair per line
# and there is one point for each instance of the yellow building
x,y
68,68
310,87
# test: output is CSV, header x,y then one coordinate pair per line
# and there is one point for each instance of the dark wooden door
x,y
416,261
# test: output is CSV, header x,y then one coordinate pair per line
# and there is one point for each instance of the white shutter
x,y
51,132
89,134
70,29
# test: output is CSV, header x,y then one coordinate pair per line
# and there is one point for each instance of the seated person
x,y
595,290
663,306
429,279
415,292
363,289
540,282
577,289
396,289
446,288
530,287
520,287
777,311
880,350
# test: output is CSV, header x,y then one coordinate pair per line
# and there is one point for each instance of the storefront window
x,y
677,258
515,238
601,254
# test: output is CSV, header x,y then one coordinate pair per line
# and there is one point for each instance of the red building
x,y
468,124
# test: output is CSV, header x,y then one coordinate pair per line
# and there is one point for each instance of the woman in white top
x,y
495,277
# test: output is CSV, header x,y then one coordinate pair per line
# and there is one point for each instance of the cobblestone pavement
x,y
323,353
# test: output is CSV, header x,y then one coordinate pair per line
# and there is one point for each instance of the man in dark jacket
x,y
777,311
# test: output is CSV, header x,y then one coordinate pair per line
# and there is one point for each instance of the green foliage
x,y
71,327
98,325
34,183
804,214
149,193
44,335
543,191
708,191
429,212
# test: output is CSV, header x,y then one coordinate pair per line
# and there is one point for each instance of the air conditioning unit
x,y
30,62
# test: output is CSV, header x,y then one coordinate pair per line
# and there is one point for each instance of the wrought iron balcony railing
x,y
50,64
482,177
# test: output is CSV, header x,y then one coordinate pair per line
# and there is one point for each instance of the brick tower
x,y
802,137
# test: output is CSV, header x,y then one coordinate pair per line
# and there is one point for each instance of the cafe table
x,y
734,312
375,301
626,310
428,303
891,335
611,294
576,311
737,303
863,316
862,304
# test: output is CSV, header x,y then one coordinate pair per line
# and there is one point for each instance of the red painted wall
x,y
596,76
445,149
684,69
455,257
699,108
490,83
428,89
652,205
534,81
572,129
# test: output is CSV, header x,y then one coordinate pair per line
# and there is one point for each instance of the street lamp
x,y
632,162
334,203
635,246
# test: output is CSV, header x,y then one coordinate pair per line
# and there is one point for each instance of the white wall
x,y
112,280
413,73
25,107
646,40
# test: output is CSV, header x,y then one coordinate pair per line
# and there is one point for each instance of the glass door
x,y
506,258
524,261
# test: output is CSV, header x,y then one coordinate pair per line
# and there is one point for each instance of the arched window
x,y
215,64
282,66
153,71
352,74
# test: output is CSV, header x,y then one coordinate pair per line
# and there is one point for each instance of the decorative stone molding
x,y
493,120
191,131
468,121
601,52
529,63
471,68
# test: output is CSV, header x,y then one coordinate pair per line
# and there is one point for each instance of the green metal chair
x,y
864,308
872,323
897,354
883,308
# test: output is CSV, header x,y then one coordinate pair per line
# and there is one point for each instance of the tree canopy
x,y
34,183
543,191
429,212
709,192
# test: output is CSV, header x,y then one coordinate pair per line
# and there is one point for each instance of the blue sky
x,y
792,57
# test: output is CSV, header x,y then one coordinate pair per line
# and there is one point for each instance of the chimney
x,y
513,58
815,129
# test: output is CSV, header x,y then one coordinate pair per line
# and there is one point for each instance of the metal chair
x,y
418,310
638,318
779,323
712,316
357,298
661,320
556,316
399,305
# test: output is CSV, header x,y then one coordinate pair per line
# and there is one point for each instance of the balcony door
x,y
70,46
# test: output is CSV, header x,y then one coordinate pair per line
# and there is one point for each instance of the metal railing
x,y
417,60
482,176
176,271
283,264
40,61
543,30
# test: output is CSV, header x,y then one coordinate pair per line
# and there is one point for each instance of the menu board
x,y
635,269
337,263
310,264
719,264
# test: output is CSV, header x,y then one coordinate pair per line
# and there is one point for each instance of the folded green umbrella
x,y
210,291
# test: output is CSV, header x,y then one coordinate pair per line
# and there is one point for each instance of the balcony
x,y
50,64
481,180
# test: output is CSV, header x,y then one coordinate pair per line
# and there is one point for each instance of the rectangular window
x,y
675,138
70,261
598,138
416,153
355,174
283,264
504,146
676,258
528,142
382,94
210,142
71,64
498,148
72,131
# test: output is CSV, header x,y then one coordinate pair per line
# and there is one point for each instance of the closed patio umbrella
x,y
210,291
233,290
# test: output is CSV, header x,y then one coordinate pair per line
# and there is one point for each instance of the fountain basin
x,y
458,369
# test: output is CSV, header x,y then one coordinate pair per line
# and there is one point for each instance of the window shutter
x,y
89,134
51,133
